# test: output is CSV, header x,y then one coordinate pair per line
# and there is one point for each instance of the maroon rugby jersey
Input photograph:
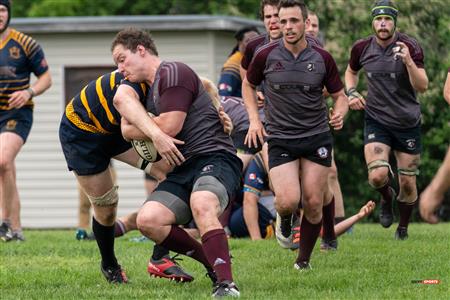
x,y
295,106
178,88
262,40
391,99
235,109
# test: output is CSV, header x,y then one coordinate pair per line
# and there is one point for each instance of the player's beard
x,y
389,36
297,40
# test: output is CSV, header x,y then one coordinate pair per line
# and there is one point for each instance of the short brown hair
x,y
131,37
264,3
293,3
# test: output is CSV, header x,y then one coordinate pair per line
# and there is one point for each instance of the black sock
x,y
104,236
159,252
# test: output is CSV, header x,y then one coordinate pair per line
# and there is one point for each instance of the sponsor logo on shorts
x,y
11,125
284,155
310,67
371,136
411,143
322,152
207,168
252,176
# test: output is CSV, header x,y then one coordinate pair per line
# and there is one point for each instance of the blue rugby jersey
x,y
19,56
92,109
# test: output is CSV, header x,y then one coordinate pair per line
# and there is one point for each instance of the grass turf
x,y
369,264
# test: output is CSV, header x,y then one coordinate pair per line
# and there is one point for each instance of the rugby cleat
x,y
114,275
13,236
328,245
302,266
225,289
168,268
401,233
387,211
5,231
82,234
284,231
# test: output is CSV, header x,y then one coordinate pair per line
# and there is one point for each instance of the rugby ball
x,y
146,149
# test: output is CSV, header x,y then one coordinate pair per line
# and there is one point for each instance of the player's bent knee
x,y
379,171
145,222
285,207
377,164
213,185
110,198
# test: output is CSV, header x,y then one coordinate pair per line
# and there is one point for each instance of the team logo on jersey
x,y
322,152
14,52
207,168
11,125
310,67
371,136
411,144
252,176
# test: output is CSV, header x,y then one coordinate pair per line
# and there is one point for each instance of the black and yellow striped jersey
x,y
92,109
19,56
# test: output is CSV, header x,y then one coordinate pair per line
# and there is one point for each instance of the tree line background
x,y
342,22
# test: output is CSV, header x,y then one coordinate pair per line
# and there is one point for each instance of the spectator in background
x,y
230,79
20,56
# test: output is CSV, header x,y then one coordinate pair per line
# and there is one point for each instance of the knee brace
x,y
409,172
407,202
110,198
379,163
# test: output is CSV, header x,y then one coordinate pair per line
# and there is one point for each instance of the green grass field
x,y
369,264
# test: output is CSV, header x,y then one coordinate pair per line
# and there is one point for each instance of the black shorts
x,y
316,148
402,140
18,121
89,153
175,191
241,147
